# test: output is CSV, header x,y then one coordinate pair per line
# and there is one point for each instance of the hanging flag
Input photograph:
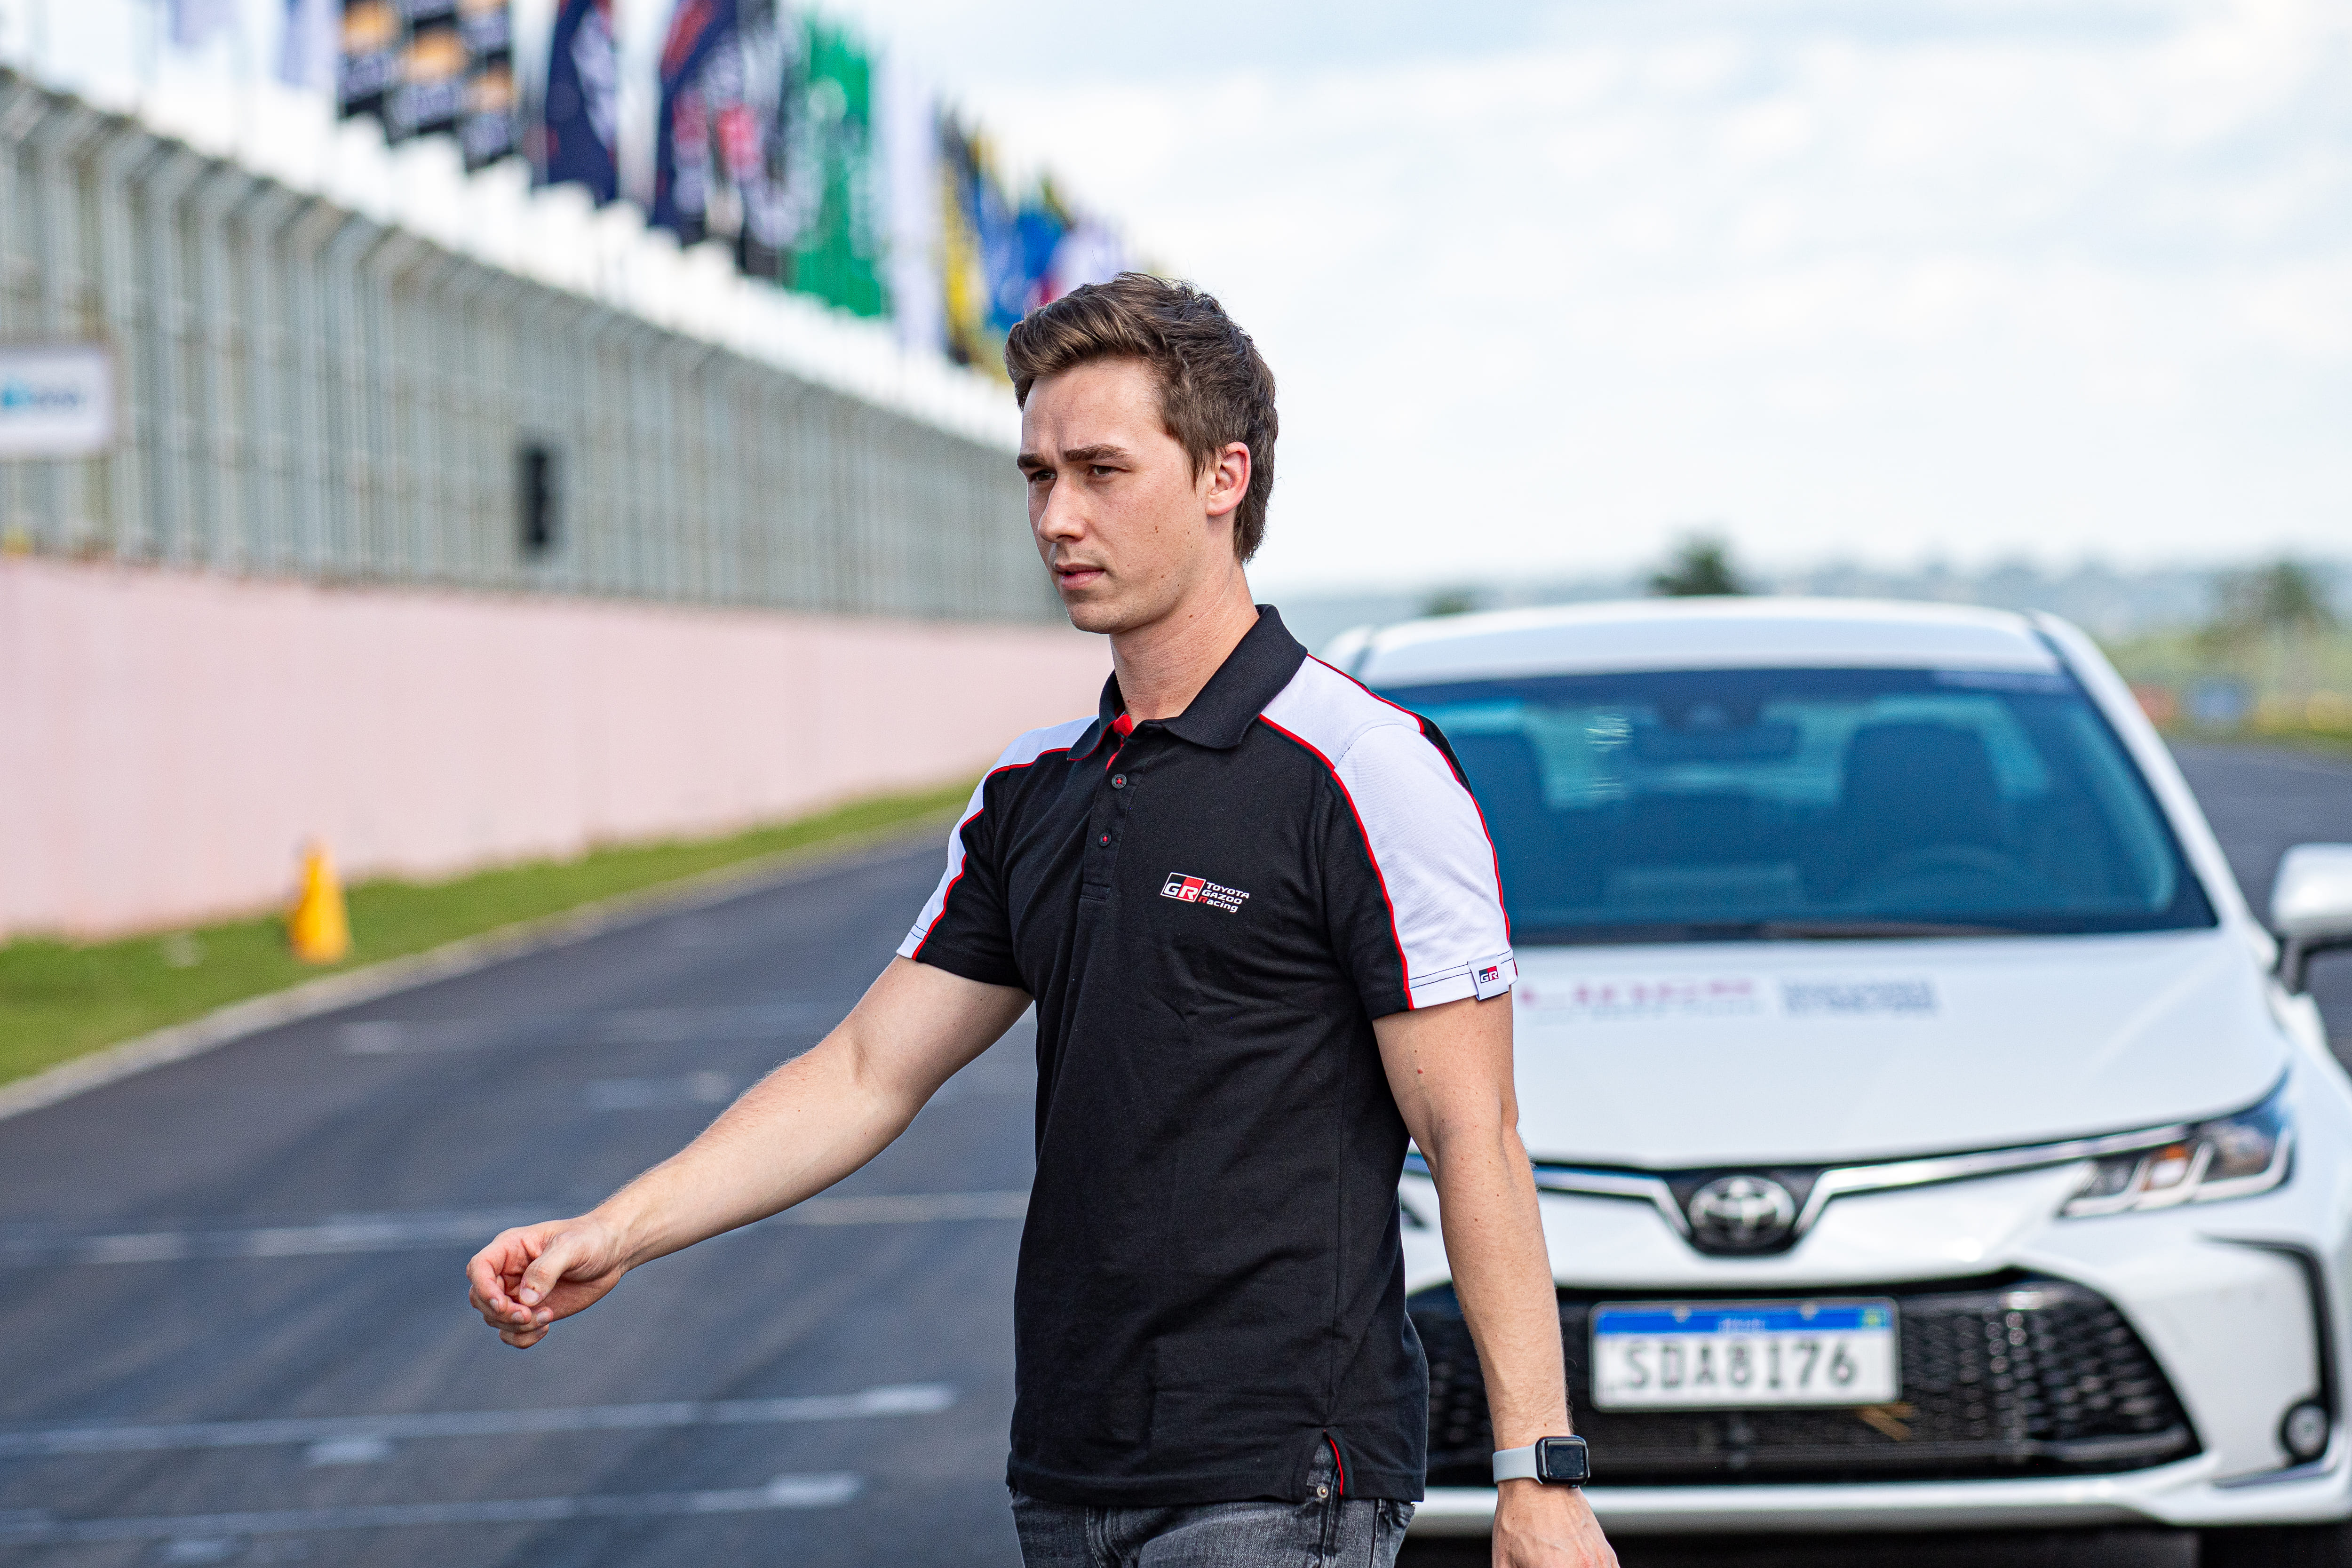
x,y
307,50
373,37
1089,252
581,121
194,22
963,271
430,93
1000,248
907,153
1041,223
839,255
486,114
766,219
700,35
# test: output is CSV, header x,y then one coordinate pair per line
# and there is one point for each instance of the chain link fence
x,y
307,393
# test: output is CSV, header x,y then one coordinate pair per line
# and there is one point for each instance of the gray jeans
x,y
1327,1531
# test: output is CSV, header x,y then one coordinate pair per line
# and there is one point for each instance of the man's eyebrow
x,y
1077,457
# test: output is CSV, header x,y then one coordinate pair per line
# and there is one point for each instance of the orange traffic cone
x,y
318,928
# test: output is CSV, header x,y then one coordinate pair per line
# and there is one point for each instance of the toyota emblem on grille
x,y
1741,1213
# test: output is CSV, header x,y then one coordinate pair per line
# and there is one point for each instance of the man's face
x,y
1124,525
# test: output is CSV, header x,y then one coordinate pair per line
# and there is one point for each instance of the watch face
x,y
1563,1461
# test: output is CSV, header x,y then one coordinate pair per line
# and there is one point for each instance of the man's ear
x,y
1228,478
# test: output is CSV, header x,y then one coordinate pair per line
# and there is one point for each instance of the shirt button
x,y
1119,781
1106,839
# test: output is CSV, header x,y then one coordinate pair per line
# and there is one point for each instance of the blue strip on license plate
x,y
1824,1318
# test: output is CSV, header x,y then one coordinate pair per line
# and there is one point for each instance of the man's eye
x,y
1039,476
1099,469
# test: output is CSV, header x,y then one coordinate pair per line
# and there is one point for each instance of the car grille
x,y
2020,1376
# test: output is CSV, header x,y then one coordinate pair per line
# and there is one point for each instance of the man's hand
x,y
527,1278
793,1134
1537,1526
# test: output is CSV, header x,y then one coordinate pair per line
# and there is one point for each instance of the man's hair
x,y
1213,386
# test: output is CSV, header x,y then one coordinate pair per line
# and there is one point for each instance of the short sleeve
x,y
964,927
1411,889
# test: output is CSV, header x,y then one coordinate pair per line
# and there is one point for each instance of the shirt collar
x,y
1252,675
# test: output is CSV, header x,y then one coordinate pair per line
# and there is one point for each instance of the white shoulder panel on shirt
x,y
1026,749
1427,841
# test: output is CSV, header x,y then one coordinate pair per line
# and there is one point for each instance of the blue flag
x,y
701,33
581,123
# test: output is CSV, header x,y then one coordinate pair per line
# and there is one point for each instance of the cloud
x,y
2051,279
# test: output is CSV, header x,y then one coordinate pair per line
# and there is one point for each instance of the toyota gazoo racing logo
x,y
1489,974
1200,891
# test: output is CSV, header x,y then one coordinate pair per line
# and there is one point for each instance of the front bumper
x,y
2183,1494
2239,1306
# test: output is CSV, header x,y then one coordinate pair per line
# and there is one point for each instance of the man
x,y
1257,911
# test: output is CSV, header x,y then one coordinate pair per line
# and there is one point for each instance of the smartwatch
x,y
1554,1461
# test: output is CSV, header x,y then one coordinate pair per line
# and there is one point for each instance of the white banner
x,y
57,400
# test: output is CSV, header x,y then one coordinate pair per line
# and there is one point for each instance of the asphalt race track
x,y
232,1323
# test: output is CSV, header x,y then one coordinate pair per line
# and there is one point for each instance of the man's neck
x,y
1163,666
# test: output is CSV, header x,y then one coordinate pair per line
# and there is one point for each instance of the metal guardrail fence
x,y
306,391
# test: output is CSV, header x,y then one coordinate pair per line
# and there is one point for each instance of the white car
x,y
1928,1135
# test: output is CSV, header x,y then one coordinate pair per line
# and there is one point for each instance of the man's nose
x,y
1060,516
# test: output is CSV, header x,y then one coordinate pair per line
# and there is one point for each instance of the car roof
x,y
1693,634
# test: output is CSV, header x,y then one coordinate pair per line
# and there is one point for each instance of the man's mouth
x,y
1078,574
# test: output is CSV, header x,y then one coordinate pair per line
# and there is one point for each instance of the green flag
x,y
838,257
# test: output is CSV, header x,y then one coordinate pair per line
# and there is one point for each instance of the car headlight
x,y
2231,1157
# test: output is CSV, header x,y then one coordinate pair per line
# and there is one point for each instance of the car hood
x,y
1722,1054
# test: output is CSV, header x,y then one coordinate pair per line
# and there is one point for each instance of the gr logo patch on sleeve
x,y
1493,976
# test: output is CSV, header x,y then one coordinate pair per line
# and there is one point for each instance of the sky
x,y
1547,285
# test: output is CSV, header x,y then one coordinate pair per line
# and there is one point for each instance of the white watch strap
x,y
1515,1464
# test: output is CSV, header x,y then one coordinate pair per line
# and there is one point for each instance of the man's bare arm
x,y
793,1134
1450,1070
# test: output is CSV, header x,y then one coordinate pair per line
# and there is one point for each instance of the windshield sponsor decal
x,y
1626,998
1649,996
1855,998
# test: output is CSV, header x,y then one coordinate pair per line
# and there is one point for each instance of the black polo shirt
x,y
1211,911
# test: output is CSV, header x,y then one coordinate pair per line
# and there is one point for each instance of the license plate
x,y
1677,1355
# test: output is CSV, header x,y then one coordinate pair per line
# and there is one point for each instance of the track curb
x,y
178,1042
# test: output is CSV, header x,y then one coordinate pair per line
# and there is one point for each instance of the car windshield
x,y
1677,806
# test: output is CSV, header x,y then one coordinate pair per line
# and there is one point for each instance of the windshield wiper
x,y
1670,931
1864,931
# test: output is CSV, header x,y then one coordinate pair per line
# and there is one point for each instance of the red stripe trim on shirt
x,y
949,891
1337,1463
1404,966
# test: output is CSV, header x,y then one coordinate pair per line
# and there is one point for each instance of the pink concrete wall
x,y
167,740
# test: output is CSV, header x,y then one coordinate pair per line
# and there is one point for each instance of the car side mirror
x,y
2311,907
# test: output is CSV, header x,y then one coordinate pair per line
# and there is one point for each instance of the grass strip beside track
x,y
61,1000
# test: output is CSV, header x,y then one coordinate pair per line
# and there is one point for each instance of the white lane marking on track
x,y
360,1450
824,1489
894,1399
471,1227
659,1093
630,1027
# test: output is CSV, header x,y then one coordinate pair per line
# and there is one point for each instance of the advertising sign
x,y
57,400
